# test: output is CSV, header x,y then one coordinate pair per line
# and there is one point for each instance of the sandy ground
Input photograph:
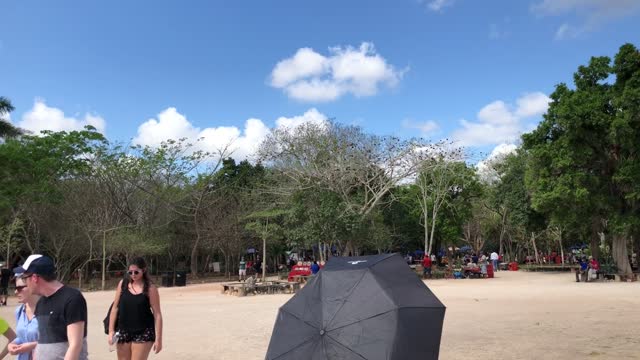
x,y
516,315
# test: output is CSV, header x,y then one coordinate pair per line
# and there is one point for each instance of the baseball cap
x,y
36,264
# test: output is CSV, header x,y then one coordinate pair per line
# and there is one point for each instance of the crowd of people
x,y
51,318
589,269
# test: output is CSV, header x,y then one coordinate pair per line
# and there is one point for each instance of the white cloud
x,y
500,122
243,143
592,13
438,5
425,127
310,116
42,117
532,104
309,76
486,168
305,62
169,125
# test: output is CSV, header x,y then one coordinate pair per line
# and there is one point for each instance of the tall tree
x,y
584,154
7,130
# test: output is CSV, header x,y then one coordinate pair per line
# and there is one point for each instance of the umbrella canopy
x,y
368,307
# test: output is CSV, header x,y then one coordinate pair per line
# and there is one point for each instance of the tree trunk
x,y
194,257
426,230
264,258
620,255
503,229
561,249
104,261
535,248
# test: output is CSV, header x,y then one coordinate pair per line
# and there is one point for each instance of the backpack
x,y
107,318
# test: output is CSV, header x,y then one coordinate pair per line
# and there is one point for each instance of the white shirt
x,y
494,256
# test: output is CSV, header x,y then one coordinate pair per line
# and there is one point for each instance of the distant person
x,y
5,277
426,266
26,322
257,266
242,270
582,270
474,258
594,268
315,268
61,312
8,332
137,308
494,260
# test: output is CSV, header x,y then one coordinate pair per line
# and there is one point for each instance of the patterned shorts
x,y
146,335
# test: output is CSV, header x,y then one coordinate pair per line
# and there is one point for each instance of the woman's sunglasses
x,y
20,288
134,272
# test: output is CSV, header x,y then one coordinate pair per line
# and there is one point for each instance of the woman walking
x,y
26,322
136,309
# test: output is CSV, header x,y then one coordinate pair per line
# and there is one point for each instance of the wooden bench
x,y
270,287
239,289
300,278
290,287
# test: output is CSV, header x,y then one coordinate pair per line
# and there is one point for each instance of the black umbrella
x,y
368,307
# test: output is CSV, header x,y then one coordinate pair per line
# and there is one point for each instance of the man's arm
x,y
75,335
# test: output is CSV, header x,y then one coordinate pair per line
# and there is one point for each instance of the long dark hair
x,y
140,263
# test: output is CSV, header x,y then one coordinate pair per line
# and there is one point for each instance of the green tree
x,y
6,129
584,154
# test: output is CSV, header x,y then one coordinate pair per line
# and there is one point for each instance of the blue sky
x,y
474,71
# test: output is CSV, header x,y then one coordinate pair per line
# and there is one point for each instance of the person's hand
x,y
110,338
13,348
157,346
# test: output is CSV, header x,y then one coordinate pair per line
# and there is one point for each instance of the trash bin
x,y
167,279
513,266
181,278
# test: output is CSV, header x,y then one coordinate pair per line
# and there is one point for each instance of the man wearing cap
x,y
61,312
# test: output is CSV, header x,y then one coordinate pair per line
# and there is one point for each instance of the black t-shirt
x,y
65,307
5,276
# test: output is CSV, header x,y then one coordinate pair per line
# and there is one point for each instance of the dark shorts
x,y
146,335
4,291
426,271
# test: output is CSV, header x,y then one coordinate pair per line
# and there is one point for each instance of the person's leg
x,y
140,351
124,351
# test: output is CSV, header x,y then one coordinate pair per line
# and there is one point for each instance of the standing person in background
x,y
61,312
494,261
242,270
594,268
426,266
26,323
137,309
8,332
315,268
5,277
257,266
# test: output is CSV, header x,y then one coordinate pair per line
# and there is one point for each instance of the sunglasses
x,y
20,288
134,272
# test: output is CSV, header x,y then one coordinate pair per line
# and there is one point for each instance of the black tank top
x,y
134,312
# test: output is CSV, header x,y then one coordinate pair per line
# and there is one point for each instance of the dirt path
x,y
517,315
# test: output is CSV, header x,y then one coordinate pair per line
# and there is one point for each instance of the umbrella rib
x,y
293,348
295,316
376,315
345,346
357,321
346,297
